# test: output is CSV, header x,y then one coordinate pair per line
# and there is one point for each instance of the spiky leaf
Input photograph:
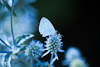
x,y
21,39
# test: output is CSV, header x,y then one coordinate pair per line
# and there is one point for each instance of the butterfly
x,y
46,28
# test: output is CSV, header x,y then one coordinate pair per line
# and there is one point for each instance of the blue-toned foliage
x,y
27,55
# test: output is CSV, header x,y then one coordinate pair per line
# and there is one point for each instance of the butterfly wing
x,y
46,28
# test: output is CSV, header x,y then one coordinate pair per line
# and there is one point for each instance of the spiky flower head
x,y
34,49
78,62
53,44
71,53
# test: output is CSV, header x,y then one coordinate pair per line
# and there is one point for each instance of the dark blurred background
x,y
78,22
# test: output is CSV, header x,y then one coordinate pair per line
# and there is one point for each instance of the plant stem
x,y
5,43
38,60
5,52
12,23
51,57
31,61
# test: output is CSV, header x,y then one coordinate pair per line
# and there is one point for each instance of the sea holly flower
x,y
53,43
34,49
71,53
73,58
78,62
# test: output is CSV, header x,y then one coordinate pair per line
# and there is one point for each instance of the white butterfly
x,y
46,28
